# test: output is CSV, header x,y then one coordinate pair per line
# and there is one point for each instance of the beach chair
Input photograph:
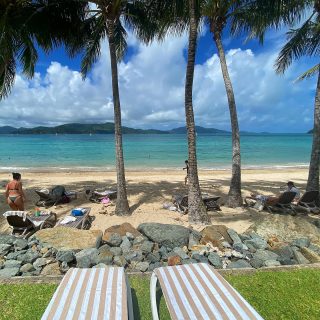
x,y
97,196
284,203
198,292
51,198
78,222
25,225
308,202
97,293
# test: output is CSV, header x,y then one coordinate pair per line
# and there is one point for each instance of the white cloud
x,y
152,92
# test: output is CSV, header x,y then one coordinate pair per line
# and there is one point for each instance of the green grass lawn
x,y
275,295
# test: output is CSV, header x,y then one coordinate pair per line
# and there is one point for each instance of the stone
x,y
226,244
194,239
69,238
257,243
64,267
200,258
138,240
100,265
309,254
272,263
134,256
130,236
147,246
122,229
285,227
301,242
4,249
234,236
87,258
113,239
163,250
12,264
174,260
179,252
20,244
215,260
105,256
189,261
285,252
116,251
239,264
300,258
7,239
65,255
28,267
142,266
168,235
120,261
312,247
216,234
9,272
14,255
153,266
153,257
40,262
244,237
239,246
257,263
265,255
125,245
29,257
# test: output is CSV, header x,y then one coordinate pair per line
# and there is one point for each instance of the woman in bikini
x,y
14,193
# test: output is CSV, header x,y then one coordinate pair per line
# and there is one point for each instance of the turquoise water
x,y
149,151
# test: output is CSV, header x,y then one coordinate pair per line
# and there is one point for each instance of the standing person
x,y
14,194
186,179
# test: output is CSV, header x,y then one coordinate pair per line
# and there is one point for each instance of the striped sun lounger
x,y
197,291
97,293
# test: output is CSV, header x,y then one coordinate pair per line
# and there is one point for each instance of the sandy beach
x,y
149,190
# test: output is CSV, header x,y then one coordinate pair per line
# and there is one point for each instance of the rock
x,y
163,250
87,258
130,236
100,265
14,255
234,236
257,243
113,239
236,254
257,263
239,264
105,257
153,266
134,256
138,240
194,239
142,266
7,239
300,258
125,245
189,261
239,246
168,235
20,244
226,244
28,267
66,256
147,246
29,257
40,262
301,242
312,246
200,248
285,227
285,252
64,267
179,252
199,258
116,251
12,264
215,260
122,229
174,260
244,237
9,272
312,256
216,234
265,255
272,263
153,257
69,238
4,249
120,261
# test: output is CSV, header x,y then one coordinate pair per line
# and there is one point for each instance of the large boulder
x,y
87,258
122,230
52,269
168,235
286,228
216,234
63,238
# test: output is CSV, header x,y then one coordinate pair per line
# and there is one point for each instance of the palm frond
x,y
7,75
309,73
120,36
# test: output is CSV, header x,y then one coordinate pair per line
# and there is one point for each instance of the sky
x,y
151,80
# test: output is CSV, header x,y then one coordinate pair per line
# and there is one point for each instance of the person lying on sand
x,y
272,200
14,194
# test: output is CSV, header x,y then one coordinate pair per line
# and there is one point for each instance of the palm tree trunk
x,y
196,209
313,178
234,195
122,205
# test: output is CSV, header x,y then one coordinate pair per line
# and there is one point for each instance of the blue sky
x,y
151,80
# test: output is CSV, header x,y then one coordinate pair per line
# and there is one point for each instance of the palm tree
x,y
24,26
107,20
304,40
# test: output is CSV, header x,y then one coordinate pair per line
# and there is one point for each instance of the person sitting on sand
x,y
14,194
271,200
186,168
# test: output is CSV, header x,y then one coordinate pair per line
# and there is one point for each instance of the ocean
x,y
152,151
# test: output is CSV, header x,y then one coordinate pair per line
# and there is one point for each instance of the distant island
x,y
102,128
311,131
